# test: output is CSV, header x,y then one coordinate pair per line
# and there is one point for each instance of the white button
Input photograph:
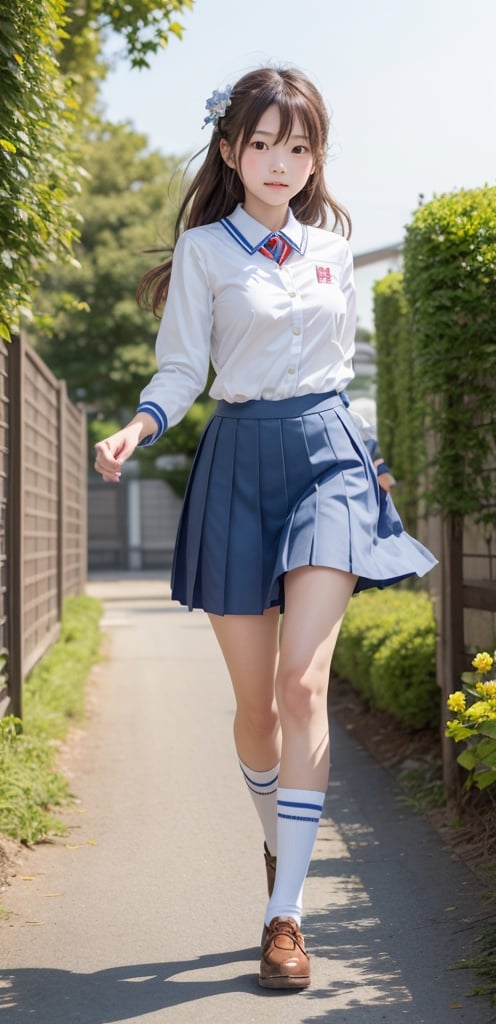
x,y
291,369
296,330
292,295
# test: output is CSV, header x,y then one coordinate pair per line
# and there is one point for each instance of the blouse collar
x,y
250,234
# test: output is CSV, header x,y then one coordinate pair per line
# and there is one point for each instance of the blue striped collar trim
x,y
293,228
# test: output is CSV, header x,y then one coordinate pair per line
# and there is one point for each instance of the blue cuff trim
x,y
160,418
371,446
383,468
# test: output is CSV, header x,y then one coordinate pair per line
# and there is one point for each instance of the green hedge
x,y
387,651
399,411
450,286
38,167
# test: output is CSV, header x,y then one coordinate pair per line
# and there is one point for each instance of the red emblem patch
x,y
324,275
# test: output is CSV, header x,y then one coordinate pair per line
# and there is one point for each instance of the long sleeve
x,y
183,340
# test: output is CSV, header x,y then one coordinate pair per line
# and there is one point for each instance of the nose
x,y
278,163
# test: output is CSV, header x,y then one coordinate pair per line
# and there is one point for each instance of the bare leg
x,y
316,600
249,644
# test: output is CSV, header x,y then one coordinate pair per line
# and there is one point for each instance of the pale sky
x,y
410,84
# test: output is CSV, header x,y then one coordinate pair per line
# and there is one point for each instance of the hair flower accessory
x,y
217,105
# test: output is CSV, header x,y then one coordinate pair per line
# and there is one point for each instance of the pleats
x,y
268,494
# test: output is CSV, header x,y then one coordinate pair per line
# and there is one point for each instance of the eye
x,y
259,144
300,149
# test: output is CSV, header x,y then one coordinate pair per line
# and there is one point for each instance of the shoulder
x,y
324,238
201,238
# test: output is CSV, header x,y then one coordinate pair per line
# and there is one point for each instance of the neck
x,y
273,218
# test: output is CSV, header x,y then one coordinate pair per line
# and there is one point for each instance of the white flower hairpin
x,y
217,105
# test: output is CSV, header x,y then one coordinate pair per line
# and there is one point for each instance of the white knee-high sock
x,y
263,789
298,816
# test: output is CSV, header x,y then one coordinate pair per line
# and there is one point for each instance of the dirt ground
x,y
414,759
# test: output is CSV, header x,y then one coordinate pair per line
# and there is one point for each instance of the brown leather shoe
x,y
270,867
284,962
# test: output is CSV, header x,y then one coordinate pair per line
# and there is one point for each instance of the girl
x,y
282,511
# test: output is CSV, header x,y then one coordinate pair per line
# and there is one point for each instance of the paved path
x,y
150,910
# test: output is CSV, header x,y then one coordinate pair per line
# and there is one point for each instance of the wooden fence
x,y
43,473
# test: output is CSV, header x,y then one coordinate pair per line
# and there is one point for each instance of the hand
x,y
114,450
386,481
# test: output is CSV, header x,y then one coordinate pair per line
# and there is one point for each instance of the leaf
x,y
485,779
468,759
4,332
468,677
488,729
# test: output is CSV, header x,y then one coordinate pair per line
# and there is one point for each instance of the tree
x,y
145,26
88,327
50,65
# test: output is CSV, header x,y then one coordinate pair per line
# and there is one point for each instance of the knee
x,y
261,722
301,694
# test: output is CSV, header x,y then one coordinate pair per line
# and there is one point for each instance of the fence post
x,y
84,501
452,632
15,524
62,398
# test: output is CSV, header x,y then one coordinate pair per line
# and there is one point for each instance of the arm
x,y
183,342
183,352
367,432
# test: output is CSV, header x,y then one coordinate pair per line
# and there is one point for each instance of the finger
x,y
107,462
110,478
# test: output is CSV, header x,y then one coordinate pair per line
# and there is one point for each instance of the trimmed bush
x,y
450,287
387,651
399,411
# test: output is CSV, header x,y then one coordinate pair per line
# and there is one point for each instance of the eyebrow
x,y
260,131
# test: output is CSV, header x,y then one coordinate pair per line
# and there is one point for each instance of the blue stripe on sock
x,y
270,792
292,803
262,785
296,817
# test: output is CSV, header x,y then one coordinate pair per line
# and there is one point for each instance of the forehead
x,y
270,122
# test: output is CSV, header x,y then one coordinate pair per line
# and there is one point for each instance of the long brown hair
x,y
217,189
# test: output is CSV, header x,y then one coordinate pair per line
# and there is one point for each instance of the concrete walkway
x,y
150,910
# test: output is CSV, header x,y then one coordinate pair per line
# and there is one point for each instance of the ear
x,y
226,153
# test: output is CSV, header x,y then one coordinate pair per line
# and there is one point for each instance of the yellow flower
x,y
482,662
487,690
479,711
456,701
451,726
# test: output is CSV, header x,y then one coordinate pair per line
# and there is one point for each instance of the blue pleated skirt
x,y
276,485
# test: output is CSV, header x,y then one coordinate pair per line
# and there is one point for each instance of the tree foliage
x,y
145,26
450,285
88,326
39,177
50,65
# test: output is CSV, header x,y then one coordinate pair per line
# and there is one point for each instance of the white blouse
x,y
271,331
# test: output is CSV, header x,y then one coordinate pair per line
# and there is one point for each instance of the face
x,y
272,172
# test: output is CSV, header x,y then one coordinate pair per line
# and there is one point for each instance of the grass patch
x,y
30,786
422,783
483,964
